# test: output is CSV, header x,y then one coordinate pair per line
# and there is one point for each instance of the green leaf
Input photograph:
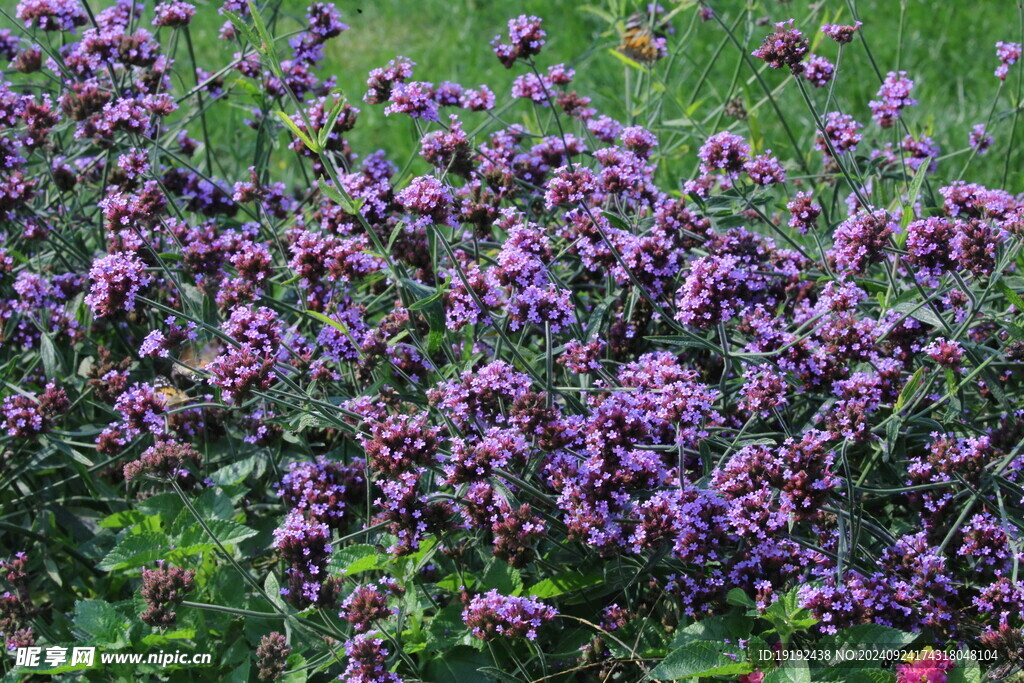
x,y
911,387
135,550
849,674
738,596
460,664
790,672
627,61
563,583
228,533
332,118
967,670
99,619
421,304
296,664
908,206
688,340
273,590
236,472
340,326
919,312
867,637
503,578
354,559
617,221
48,353
702,658
119,520
1013,297
348,205
446,629
241,26
299,133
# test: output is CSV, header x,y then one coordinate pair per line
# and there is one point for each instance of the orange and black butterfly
x,y
172,395
194,359
643,40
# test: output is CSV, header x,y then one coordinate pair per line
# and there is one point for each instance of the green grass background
x,y
947,48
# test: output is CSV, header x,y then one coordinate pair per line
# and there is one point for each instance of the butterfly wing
x,y
194,359
172,395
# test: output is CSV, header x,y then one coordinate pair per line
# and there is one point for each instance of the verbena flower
x,y
493,615
786,47
525,39
841,33
893,97
1008,54
116,281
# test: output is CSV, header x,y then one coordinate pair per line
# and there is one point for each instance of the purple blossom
x,y
51,15
786,47
173,13
860,240
415,98
819,71
429,197
638,140
713,292
368,660
841,130
382,80
533,87
980,139
479,99
241,371
305,547
542,306
525,39
570,186
1008,54
492,615
116,280
842,34
765,169
804,212
893,96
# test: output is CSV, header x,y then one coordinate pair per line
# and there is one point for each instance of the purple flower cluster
x,y
116,281
305,547
164,588
529,348
493,615
525,39
893,97
786,47
1008,54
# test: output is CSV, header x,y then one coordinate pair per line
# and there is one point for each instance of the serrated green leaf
x,y
228,533
790,672
135,550
1011,295
355,559
702,658
563,583
105,624
122,519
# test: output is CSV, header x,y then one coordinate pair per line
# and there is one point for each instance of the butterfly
x,y
173,396
642,41
194,359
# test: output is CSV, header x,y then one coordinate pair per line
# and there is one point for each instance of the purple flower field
x,y
569,395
